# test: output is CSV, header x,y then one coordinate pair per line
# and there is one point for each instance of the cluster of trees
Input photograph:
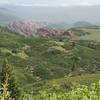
x,y
8,82
90,44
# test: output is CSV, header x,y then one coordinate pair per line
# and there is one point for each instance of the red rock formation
x,y
28,28
25,27
67,34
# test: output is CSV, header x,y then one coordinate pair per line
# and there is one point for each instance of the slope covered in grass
x,y
39,59
95,34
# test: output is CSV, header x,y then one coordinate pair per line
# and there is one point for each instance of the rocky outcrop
x,y
47,32
30,28
25,27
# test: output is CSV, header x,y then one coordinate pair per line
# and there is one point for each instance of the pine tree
x,y
7,75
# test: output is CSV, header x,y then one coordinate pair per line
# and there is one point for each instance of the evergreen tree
x,y
7,75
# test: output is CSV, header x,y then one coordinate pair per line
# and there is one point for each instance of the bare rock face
x,y
30,28
67,34
25,27
47,32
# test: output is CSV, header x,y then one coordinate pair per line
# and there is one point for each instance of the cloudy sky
x,y
51,2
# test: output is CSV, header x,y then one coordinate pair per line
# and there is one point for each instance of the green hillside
x,y
37,60
95,34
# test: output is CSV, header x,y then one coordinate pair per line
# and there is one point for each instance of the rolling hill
x,y
37,59
83,24
95,34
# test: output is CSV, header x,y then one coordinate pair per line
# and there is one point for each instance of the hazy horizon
x,y
43,10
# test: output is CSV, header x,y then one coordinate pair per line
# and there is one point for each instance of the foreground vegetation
x,y
76,92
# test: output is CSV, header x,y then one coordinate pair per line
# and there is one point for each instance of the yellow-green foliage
x,y
5,94
78,92
57,49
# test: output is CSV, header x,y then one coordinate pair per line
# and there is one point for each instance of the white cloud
x,y
86,4
51,2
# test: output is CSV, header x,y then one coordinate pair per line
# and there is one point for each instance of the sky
x,y
51,2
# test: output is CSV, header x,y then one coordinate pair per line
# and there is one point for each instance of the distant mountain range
x,y
68,15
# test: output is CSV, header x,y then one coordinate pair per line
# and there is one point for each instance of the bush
x,y
41,72
78,92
